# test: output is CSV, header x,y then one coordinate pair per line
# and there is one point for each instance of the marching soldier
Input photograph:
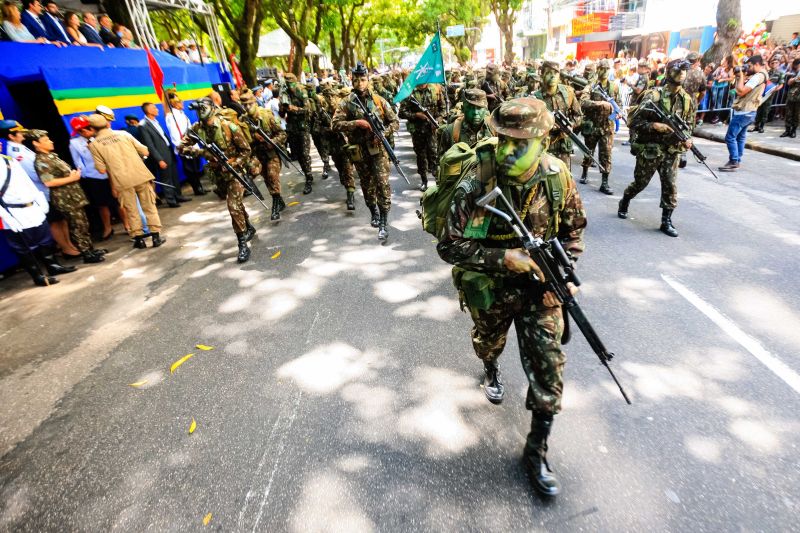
x,y
268,158
296,109
212,127
493,274
655,146
365,150
598,128
422,129
559,97
335,143
471,127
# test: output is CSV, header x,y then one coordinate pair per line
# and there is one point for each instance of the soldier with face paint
x,y
598,128
471,127
212,127
494,275
655,146
559,97
422,130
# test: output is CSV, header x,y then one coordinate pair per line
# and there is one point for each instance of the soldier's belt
x,y
19,206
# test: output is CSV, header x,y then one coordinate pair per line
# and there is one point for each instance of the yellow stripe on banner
x,y
88,105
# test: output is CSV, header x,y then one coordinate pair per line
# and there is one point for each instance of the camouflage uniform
x,y
597,128
253,165
69,199
655,151
563,100
461,130
477,248
231,140
423,133
268,158
792,106
370,158
335,142
298,124
494,87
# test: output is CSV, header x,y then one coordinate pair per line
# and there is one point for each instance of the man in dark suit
x,y
89,29
31,18
161,161
51,17
107,33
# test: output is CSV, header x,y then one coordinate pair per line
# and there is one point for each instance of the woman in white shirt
x,y
14,27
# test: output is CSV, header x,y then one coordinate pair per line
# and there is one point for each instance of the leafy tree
x,y
302,22
242,20
729,29
505,12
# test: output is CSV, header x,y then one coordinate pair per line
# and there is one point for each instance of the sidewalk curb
x,y
752,145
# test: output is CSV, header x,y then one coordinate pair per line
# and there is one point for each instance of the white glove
x,y
9,222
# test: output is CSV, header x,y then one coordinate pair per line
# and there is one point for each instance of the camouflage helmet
x,y
604,63
247,98
35,135
290,78
692,57
475,97
491,67
589,68
522,118
644,63
552,65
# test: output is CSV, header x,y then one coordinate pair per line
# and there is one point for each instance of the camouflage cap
x,y
290,78
644,63
35,135
522,118
552,65
590,67
604,63
475,97
692,57
247,98
491,67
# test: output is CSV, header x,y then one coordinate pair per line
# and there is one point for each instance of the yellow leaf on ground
x,y
179,362
276,255
192,426
138,383
204,347
206,519
290,204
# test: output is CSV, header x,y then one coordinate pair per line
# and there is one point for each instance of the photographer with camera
x,y
749,95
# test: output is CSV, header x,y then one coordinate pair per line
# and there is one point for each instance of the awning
x,y
595,37
278,44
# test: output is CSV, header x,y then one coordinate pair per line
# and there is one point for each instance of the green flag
x,y
430,69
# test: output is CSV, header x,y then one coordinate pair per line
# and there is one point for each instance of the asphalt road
x,y
342,393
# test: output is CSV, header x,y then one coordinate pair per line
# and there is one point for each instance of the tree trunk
x,y
507,31
729,29
296,63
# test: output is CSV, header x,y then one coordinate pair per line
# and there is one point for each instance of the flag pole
x,y
444,69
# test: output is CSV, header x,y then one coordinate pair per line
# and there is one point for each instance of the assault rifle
x,y
578,82
424,110
558,271
255,128
563,124
679,129
607,97
216,152
377,129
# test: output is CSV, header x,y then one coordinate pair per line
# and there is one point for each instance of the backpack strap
x,y
378,107
555,182
457,129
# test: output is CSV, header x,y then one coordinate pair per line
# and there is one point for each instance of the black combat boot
x,y
309,180
250,232
277,202
351,201
54,268
585,175
92,257
375,214
138,242
793,133
492,386
157,240
383,234
326,169
29,264
682,161
244,250
423,186
787,132
604,188
622,209
666,223
535,457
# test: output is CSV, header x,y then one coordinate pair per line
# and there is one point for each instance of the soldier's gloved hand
x,y
607,107
362,123
517,260
660,127
550,299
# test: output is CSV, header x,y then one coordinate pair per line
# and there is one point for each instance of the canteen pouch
x,y
353,152
475,290
374,149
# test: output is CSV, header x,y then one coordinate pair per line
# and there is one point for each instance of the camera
x,y
739,70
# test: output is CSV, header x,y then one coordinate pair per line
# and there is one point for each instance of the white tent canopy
x,y
278,44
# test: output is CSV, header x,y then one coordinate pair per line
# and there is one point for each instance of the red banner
x,y
237,75
156,74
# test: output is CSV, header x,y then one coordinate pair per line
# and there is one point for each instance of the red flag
x,y
156,74
237,75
